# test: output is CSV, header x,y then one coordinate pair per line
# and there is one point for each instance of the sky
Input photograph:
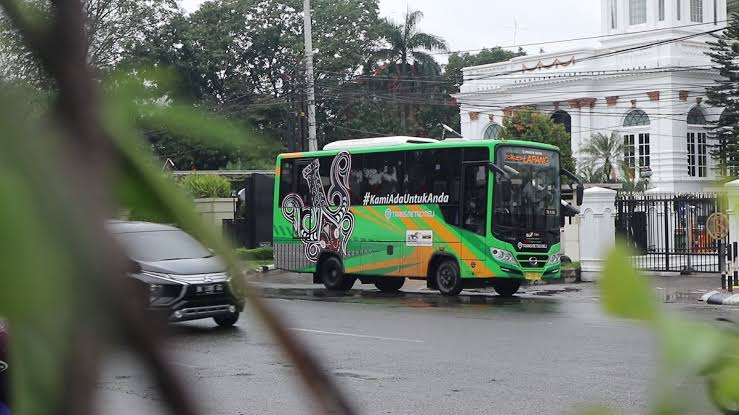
x,y
474,24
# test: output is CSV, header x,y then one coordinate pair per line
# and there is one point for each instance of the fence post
x,y
597,230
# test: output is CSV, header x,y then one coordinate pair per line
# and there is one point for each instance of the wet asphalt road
x,y
540,353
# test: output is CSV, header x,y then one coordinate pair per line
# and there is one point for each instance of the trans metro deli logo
x,y
406,199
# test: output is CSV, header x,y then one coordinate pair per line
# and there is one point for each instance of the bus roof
x,y
375,145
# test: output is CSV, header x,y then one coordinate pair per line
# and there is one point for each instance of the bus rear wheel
x,y
507,287
448,278
331,271
389,284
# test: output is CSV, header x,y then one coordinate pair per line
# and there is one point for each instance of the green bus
x,y
456,213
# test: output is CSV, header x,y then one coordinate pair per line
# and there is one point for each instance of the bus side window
x,y
287,178
383,173
357,186
302,188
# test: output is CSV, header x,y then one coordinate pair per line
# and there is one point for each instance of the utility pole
x,y
312,142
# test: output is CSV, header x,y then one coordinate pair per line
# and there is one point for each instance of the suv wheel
x,y
226,320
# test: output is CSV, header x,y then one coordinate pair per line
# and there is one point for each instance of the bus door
x,y
474,211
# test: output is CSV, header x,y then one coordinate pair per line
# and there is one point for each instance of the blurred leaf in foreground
x,y
624,292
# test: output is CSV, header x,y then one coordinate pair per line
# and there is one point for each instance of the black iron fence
x,y
668,232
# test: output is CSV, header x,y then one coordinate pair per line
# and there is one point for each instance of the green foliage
x,y
689,349
206,186
601,157
624,292
529,125
111,26
257,254
724,54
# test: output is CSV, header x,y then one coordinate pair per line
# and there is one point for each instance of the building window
x,y
644,150
661,10
637,12
697,146
636,118
492,132
636,142
696,11
613,11
564,118
697,155
679,10
629,154
636,148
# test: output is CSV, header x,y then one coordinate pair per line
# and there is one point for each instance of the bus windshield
x,y
529,197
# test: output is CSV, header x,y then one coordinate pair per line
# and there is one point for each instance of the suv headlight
x,y
503,256
554,259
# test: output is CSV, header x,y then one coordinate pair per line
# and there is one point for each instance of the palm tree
x,y
406,54
601,154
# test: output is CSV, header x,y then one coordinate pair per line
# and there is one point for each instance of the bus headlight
x,y
554,259
503,256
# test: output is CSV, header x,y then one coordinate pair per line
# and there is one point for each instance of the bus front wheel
x,y
507,287
332,275
448,278
389,284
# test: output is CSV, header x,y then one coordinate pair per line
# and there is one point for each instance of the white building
x,y
641,82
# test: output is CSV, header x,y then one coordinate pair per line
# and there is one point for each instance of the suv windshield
x,y
161,246
530,197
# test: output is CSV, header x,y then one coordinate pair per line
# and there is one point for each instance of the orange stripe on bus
x,y
364,214
292,155
448,236
378,265
373,211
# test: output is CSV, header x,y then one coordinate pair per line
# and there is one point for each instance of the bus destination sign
x,y
528,157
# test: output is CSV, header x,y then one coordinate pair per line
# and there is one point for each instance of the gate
x,y
668,232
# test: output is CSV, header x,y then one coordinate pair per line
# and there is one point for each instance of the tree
x,y
723,94
602,156
404,57
529,125
110,27
244,59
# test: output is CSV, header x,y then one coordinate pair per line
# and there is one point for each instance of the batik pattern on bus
x,y
327,224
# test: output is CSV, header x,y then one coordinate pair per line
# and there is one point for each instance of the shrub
x,y
254,254
202,186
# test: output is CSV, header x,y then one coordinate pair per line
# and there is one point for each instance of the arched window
x,y
562,117
492,132
697,145
636,118
636,141
696,117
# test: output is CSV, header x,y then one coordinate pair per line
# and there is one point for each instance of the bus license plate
x,y
533,276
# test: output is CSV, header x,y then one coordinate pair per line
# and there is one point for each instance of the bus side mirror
x,y
579,191
493,168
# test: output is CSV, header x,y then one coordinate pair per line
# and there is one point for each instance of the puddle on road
x,y
474,300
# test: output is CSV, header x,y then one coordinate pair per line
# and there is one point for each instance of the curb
x,y
720,298
266,268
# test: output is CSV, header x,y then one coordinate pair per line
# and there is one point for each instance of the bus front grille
x,y
532,261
